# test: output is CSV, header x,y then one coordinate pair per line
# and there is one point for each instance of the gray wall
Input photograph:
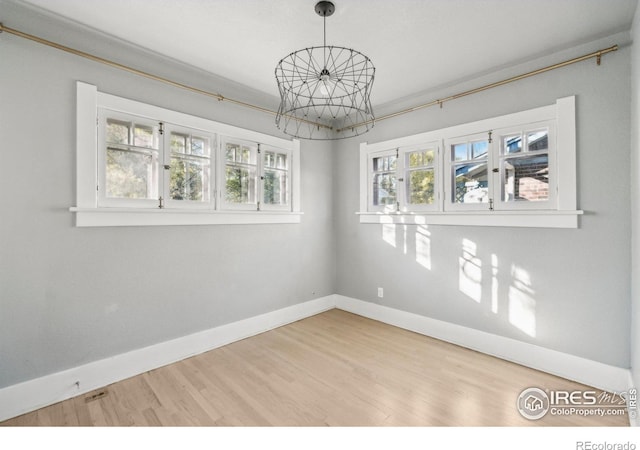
x,y
71,295
635,201
576,281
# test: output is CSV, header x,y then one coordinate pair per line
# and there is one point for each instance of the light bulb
x,y
325,87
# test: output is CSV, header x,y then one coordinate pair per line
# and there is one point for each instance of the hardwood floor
x,y
335,369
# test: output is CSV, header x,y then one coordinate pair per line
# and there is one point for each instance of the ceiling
x,y
415,45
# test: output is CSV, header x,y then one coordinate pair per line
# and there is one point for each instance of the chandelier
x,y
324,91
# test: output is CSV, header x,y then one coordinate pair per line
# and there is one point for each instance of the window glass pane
x,y
275,187
479,149
240,184
526,179
199,146
189,175
143,136
384,189
281,161
420,187
247,155
178,143
241,173
415,159
538,140
428,157
131,174
231,150
384,163
189,179
117,132
392,162
269,159
459,152
512,144
421,158
470,184
377,163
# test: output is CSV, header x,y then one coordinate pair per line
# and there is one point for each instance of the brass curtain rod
x,y
598,54
141,73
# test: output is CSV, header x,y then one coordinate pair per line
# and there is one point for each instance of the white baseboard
x,y
33,394
582,370
37,393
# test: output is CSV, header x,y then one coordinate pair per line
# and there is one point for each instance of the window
x,y
275,178
468,186
420,177
404,179
527,175
384,174
129,160
188,176
514,170
147,163
155,166
256,176
241,174
504,169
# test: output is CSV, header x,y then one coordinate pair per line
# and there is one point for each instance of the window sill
x,y
531,219
124,217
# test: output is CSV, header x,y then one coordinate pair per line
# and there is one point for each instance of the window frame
x,y
264,149
449,167
498,135
402,171
403,153
559,212
131,120
371,173
89,212
254,146
189,204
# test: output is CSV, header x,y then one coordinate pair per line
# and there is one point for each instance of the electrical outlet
x,y
380,292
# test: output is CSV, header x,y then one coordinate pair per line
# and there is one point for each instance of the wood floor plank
x,y
335,369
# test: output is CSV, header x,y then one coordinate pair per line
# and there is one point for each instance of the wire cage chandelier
x,y
325,91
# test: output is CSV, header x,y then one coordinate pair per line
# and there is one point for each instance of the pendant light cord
x,y
324,34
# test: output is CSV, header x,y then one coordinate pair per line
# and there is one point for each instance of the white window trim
x,y
564,215
190,204
89,214
103,200
404,170
550,203
381,208
448,205
265,206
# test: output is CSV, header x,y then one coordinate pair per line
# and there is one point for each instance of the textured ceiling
x,y
415,45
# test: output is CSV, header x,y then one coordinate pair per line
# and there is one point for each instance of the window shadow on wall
x,y
501,288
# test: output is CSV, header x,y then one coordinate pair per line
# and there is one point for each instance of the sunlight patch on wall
x,y
404,247
494,283
522,305
389,234
470,271
423,247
